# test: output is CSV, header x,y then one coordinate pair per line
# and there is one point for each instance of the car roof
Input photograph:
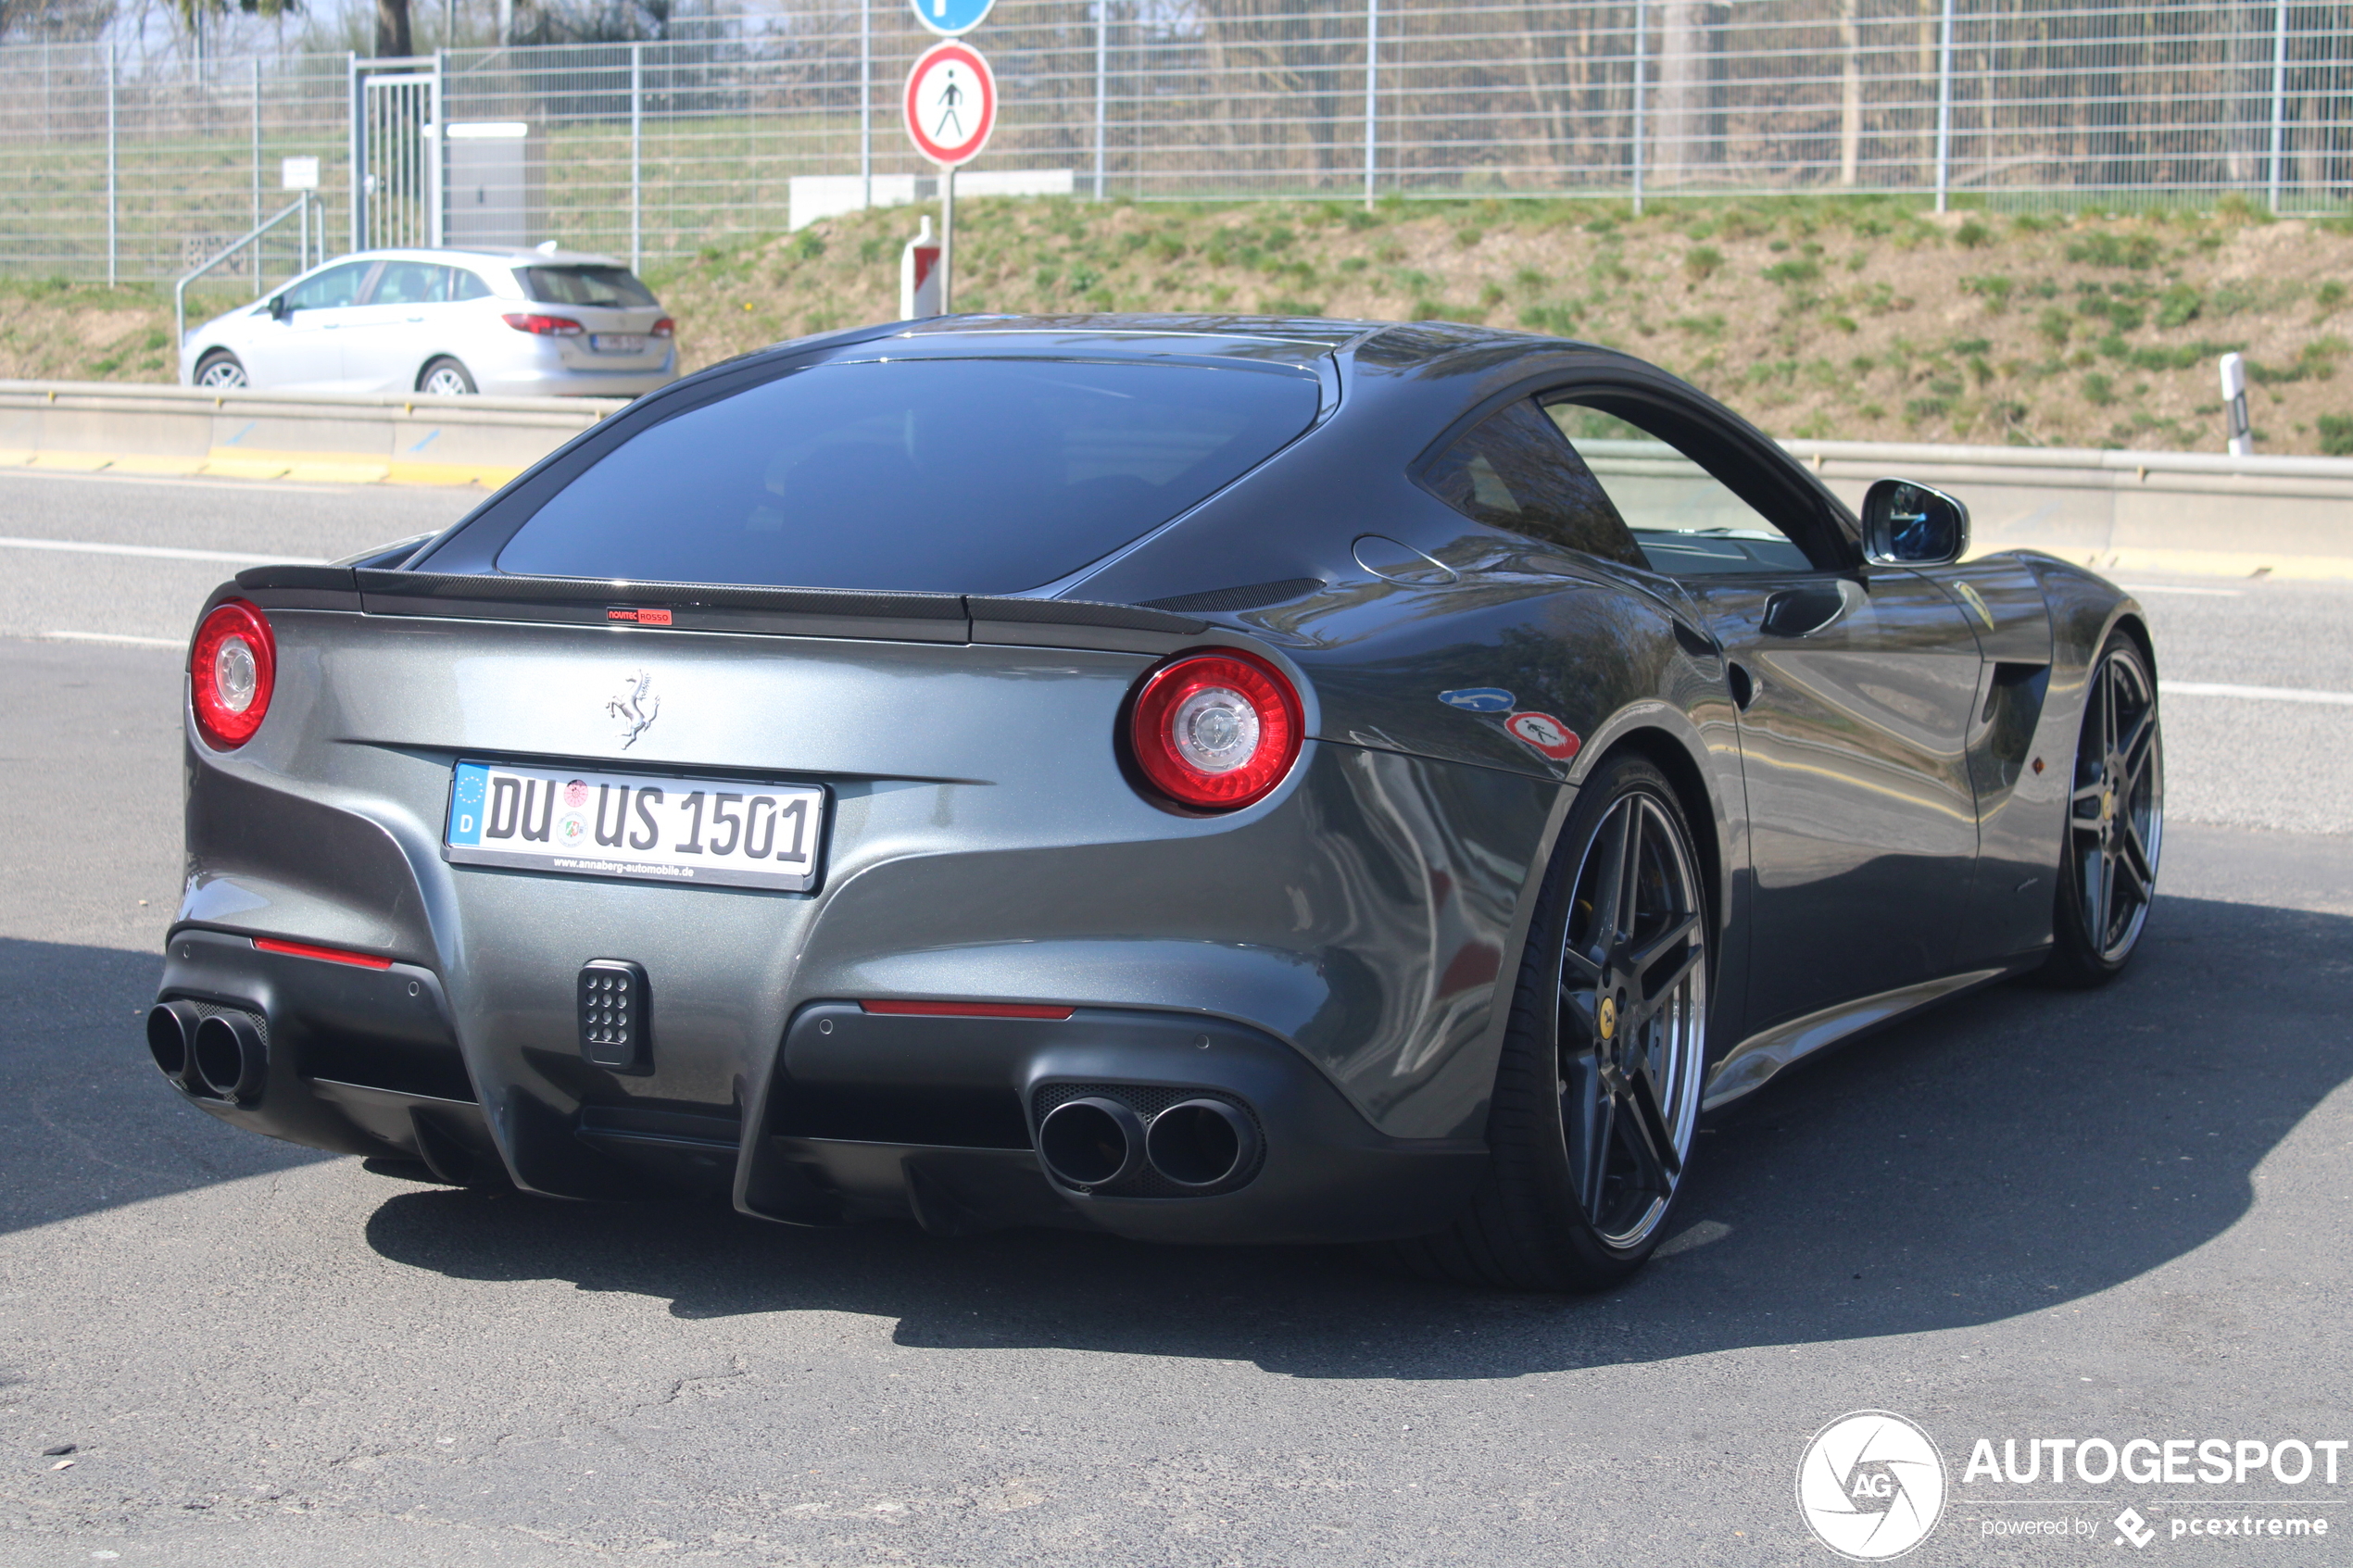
x,y
510,255
1294,340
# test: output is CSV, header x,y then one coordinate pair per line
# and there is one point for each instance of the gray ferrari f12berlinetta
x,y
1206,779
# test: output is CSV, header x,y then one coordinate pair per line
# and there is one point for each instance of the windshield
x,y
613,286
974,476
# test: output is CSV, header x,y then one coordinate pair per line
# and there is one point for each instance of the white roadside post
x,y
919,275
950,107
2235,402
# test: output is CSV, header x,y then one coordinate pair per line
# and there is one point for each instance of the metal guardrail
x,y
2156,511
301,206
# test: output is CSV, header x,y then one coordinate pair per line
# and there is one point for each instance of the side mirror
x,y
1909,524
278,308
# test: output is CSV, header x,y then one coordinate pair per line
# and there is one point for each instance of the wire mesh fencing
x,y
653,150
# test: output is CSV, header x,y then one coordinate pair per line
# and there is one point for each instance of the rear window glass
x,y
974,476
615,287
1514,470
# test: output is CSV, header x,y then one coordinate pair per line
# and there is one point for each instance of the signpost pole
x,y
950,107
947,239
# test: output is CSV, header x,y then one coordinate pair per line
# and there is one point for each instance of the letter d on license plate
x,y
716,832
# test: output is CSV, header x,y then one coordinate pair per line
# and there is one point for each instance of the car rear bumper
x,y
865,1115
572,381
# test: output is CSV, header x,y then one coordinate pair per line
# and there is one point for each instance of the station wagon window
x,y
411,282
953,475
615,287
1686,523
336,286
466,285
1513,471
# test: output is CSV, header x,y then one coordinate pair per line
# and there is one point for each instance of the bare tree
x,y
1691,86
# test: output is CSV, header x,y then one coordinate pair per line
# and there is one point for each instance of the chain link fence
x,y
654,150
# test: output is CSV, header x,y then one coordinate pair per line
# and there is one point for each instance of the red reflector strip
x,y
967,1009
329,955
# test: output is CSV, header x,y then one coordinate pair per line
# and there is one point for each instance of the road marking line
x,y
2258,694
156,552
2168,588
125,638
189,482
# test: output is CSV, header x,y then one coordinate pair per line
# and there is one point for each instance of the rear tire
x,y
1597,1094
446,378
2115,823
221,371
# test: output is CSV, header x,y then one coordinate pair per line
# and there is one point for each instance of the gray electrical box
x,y
496,188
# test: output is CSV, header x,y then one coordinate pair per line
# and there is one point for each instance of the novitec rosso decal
x,y
1544,732
1479,699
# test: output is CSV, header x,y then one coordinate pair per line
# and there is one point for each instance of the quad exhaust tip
x,y
230,1056
171,1027
1200,1143
222,1054
1091,1142
1197,1145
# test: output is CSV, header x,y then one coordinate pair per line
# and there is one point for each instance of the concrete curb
x,y
335,438
2195,513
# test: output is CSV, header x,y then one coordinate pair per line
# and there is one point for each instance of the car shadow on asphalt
x,y
86,1122
2018,1149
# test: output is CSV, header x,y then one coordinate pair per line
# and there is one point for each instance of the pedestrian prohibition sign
x,y
951,103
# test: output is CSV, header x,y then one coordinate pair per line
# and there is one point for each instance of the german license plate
x,y
617,343
711,832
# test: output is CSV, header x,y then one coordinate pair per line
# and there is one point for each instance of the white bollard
x,y
2235,402
919,276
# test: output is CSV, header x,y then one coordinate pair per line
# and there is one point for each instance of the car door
x,y
302,348
1856,689
388,335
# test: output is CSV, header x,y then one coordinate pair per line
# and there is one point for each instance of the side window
x,y
336,285
467,286
1686,523
1513,471
409,282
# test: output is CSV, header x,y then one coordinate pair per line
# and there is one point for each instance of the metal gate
x,y
396,153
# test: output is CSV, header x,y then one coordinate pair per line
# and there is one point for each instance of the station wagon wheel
x,y
1597,1094
446,378
2115,822
221,371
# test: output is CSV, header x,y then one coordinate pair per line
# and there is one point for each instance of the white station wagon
x,y
512,323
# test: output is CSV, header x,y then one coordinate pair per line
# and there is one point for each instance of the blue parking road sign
x,y
952,18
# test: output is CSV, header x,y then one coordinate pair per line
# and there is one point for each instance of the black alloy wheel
x,y
1597,1095
2115,822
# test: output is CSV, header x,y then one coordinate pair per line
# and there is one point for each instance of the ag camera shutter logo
x,y
1871,1486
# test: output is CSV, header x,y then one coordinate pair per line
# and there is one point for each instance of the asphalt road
x,y
2031,1214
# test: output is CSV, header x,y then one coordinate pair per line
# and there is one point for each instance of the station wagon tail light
x,y
545,326
665,327
231,673
1215,731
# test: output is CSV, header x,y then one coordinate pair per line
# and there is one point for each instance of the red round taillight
x,y
231,672
1215,731
665,327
